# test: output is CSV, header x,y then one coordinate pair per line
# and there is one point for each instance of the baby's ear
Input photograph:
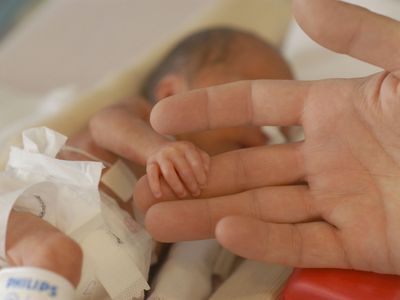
x,y
170,85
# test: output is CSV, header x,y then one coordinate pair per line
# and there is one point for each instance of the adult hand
x,y
332,200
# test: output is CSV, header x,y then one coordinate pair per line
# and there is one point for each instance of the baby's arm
x,y
33,242
124,129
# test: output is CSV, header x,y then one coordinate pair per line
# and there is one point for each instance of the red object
x,y
333,284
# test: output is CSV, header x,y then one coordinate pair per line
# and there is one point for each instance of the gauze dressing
x,y
65,194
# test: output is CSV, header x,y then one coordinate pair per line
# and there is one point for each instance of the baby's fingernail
x,y
203,182
194,189
158,195
196,193
182,194
202,179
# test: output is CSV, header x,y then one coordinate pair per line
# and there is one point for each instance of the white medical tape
x,y
115,255
118,274
120,179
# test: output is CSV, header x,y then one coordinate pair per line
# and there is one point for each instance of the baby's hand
x,y
183,166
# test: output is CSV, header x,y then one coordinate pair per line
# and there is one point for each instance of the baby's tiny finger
x,y
153,174
206,160
170,176
196,162
186,174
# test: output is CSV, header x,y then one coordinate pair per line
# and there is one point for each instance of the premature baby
x,y
122,131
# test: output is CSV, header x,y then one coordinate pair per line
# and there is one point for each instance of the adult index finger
x,y
237,171
258,102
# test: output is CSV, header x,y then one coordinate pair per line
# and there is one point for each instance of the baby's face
x,y
253,61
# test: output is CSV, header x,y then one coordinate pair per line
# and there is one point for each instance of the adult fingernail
x,y
194,188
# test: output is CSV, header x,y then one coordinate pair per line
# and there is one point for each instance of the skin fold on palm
x,y
332,200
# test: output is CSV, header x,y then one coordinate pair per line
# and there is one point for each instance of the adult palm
x,y
332,200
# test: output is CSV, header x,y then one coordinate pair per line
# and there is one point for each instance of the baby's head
x,y
211,57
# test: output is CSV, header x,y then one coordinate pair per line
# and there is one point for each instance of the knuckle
x,y
151,168
195,163
187,145
165,156
196,166
170,151
168,172
205,155
186,174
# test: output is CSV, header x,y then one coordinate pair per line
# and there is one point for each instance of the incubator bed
x,y
69,112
